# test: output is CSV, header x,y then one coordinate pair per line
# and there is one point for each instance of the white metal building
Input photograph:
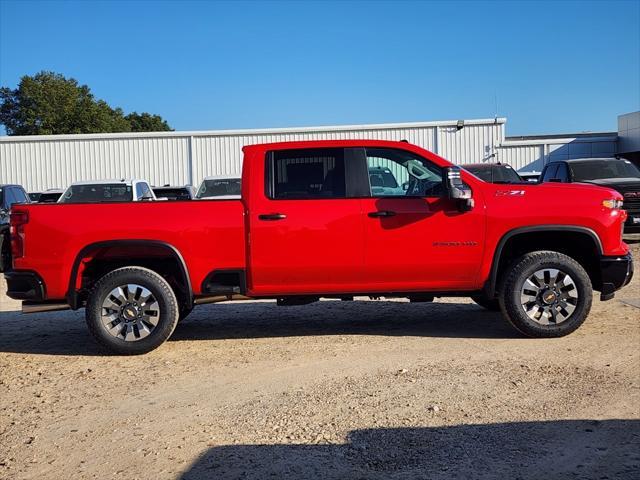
x,y
54,161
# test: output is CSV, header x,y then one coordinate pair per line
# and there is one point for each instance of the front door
x,y
415,237
306,233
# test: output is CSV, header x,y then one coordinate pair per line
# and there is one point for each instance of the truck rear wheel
x,y
131,310
546,294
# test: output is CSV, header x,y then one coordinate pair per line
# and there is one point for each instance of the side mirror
x,y
458,190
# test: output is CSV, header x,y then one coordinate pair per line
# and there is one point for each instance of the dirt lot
x,y
378,389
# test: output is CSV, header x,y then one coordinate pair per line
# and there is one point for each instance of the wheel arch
x,y
526,235
96,249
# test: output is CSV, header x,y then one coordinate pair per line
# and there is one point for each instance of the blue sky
x,y
554,66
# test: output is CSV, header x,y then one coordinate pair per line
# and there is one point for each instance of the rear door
x,y
306,229
415,237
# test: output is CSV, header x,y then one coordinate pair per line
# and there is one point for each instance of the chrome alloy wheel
x,y
130,312
549,296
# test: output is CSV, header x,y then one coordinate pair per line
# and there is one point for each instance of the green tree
x,y
145,122
48,103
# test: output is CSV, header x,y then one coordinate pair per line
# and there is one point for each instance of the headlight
x,y
611,203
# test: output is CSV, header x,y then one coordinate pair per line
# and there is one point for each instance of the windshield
x,y
601,169
495,173
218,188
506,174
102,192
483,173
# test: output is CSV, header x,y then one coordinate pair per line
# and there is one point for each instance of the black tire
x,y
491,304
525,266
161,290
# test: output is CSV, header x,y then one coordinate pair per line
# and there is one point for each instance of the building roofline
x,y
520,138
257,131
559,139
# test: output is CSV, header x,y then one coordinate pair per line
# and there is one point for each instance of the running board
x,y
39,307
219,298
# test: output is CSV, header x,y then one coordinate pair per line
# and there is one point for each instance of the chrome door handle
x,y
272,216
382,214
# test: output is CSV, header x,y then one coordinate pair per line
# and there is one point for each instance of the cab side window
x,y
20,195
139,191
550,172
398,173
9,197
562,174
314,173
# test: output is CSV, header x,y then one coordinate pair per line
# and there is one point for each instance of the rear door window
x,y
306,174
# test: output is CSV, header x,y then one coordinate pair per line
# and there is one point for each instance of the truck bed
x,y
208,234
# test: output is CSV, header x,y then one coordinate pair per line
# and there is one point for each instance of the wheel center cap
x,y
129,313
549,297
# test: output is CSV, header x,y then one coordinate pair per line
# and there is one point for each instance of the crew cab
x,y
309,224
616,173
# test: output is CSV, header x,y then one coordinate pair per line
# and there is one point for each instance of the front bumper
x,y
632,225
24,285
615,273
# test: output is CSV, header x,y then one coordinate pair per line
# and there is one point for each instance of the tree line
x,y
49,103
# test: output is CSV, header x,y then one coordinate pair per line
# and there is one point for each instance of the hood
x,y
615,182
555,189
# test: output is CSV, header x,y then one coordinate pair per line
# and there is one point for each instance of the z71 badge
x,y
509,193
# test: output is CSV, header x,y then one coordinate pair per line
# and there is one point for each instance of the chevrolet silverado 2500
x,y
311,224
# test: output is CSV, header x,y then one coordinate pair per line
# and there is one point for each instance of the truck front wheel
x,y
546,294
131,310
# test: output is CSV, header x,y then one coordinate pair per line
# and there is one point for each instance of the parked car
x,y
108,191
50,196
494,172
9,195
617,173
219,187
531,177
173,193
384,182
310,226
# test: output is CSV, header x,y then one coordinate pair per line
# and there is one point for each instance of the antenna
x,y
495,98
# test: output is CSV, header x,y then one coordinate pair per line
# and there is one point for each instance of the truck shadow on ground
x,y
65,333
576,449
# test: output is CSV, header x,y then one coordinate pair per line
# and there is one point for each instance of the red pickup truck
x,y
329,219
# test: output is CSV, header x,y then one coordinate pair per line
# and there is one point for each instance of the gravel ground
x,y
368,390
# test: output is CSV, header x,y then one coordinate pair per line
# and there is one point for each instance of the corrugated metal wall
x,y
532,155
528,158
39,165
54,161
